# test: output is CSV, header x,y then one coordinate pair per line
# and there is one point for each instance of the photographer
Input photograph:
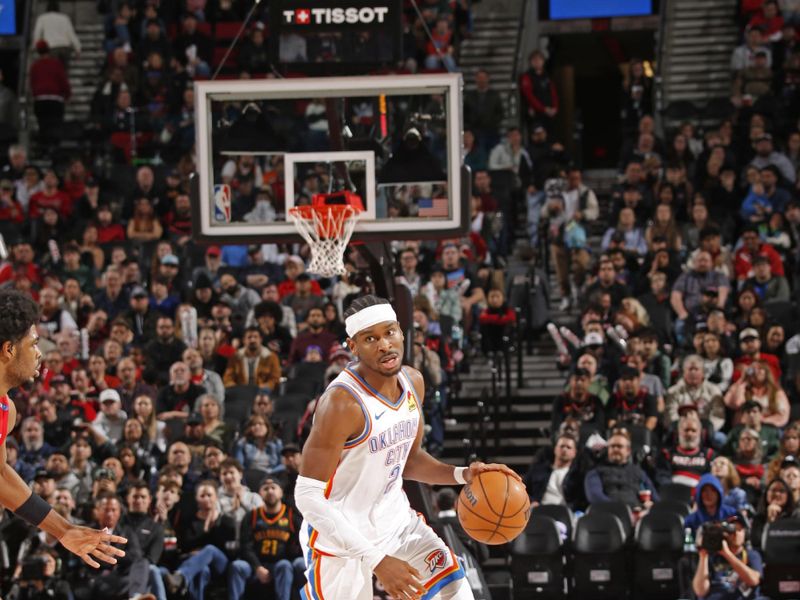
x,y
726,570
38,579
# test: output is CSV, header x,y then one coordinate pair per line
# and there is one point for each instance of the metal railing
x,y
22,81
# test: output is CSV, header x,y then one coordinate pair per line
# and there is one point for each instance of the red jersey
x,y
4,412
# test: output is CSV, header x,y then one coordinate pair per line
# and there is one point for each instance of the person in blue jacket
x,y
708,497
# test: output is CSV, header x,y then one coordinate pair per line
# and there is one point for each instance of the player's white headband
x,y
372,315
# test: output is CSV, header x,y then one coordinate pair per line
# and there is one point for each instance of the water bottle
x,y
456,336
688,542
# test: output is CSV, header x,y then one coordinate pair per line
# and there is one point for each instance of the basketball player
x,y
20,359
366,437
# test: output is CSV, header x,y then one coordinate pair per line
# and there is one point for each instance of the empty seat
x,y
253,478
659,546
619,509
599,569
671,506
781,548
557,512
677,492
225,31
239,402
681,110
537,560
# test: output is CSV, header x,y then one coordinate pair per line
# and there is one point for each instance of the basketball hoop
x,y
327,229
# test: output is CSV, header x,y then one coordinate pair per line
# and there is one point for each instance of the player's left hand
x,y
477,468
89,544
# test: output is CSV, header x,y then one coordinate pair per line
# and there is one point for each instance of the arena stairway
x,y
493,45
524,429
695,57
84,70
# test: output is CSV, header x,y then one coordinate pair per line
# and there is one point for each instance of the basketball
x,y
494,508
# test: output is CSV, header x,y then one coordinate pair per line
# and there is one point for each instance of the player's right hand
x,y
263,575
399,579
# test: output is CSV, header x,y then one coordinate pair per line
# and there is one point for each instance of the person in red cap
x,y
50,90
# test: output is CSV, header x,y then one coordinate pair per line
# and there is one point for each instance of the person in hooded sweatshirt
x,y
708,497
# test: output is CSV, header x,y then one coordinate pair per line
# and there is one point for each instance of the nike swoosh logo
x,y
378,416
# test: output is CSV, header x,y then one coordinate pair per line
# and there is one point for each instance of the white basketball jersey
x,y
367,485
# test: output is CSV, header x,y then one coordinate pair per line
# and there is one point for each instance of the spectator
x,y
254,55
149,532
694,390
751,418
258,448
776,503
483,111
50,89
717,368
164,349
496,322
708,495
632,404
768,287
687,291
206,537
578,403
439,50
767,155
241,299
55,28
193,48
745,55
235,499
176,400
315,334
749,463
556,475
688,460
281,559
539,93
9,113
616,477
758,384
789,446
253,364
112,418
734,572
734,496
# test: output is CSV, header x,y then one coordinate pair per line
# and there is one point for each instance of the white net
x,y
327,230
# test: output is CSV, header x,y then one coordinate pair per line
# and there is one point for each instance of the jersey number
x,y
393,475
269,547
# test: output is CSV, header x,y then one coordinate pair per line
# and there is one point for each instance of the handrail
x,y
22,81
657,79
518,60
522,325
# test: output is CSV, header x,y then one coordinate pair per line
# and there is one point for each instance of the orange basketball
x,y
494,508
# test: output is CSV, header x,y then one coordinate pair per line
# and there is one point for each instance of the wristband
x,y
34,510
458,475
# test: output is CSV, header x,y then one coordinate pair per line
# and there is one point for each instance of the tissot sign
x,y
345,32
336,16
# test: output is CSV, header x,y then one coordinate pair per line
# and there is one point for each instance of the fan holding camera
x,y
37,578
726,569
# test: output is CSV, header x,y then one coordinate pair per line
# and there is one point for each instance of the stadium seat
x,y
781,548
659,546
253,478
537,561
620,510
677,492
599,567
225,31
718,109
239,402
558,513
671,506
680,110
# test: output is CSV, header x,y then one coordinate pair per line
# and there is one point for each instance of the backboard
x,y
264,146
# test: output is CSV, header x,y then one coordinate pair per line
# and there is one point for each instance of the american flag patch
x,y
433,207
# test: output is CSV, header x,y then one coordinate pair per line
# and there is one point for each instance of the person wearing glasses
x,y
616,477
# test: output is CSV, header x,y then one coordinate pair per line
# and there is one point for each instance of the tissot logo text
x,y
336,16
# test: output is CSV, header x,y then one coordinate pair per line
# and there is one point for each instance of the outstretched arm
x,y
89,544
421,466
